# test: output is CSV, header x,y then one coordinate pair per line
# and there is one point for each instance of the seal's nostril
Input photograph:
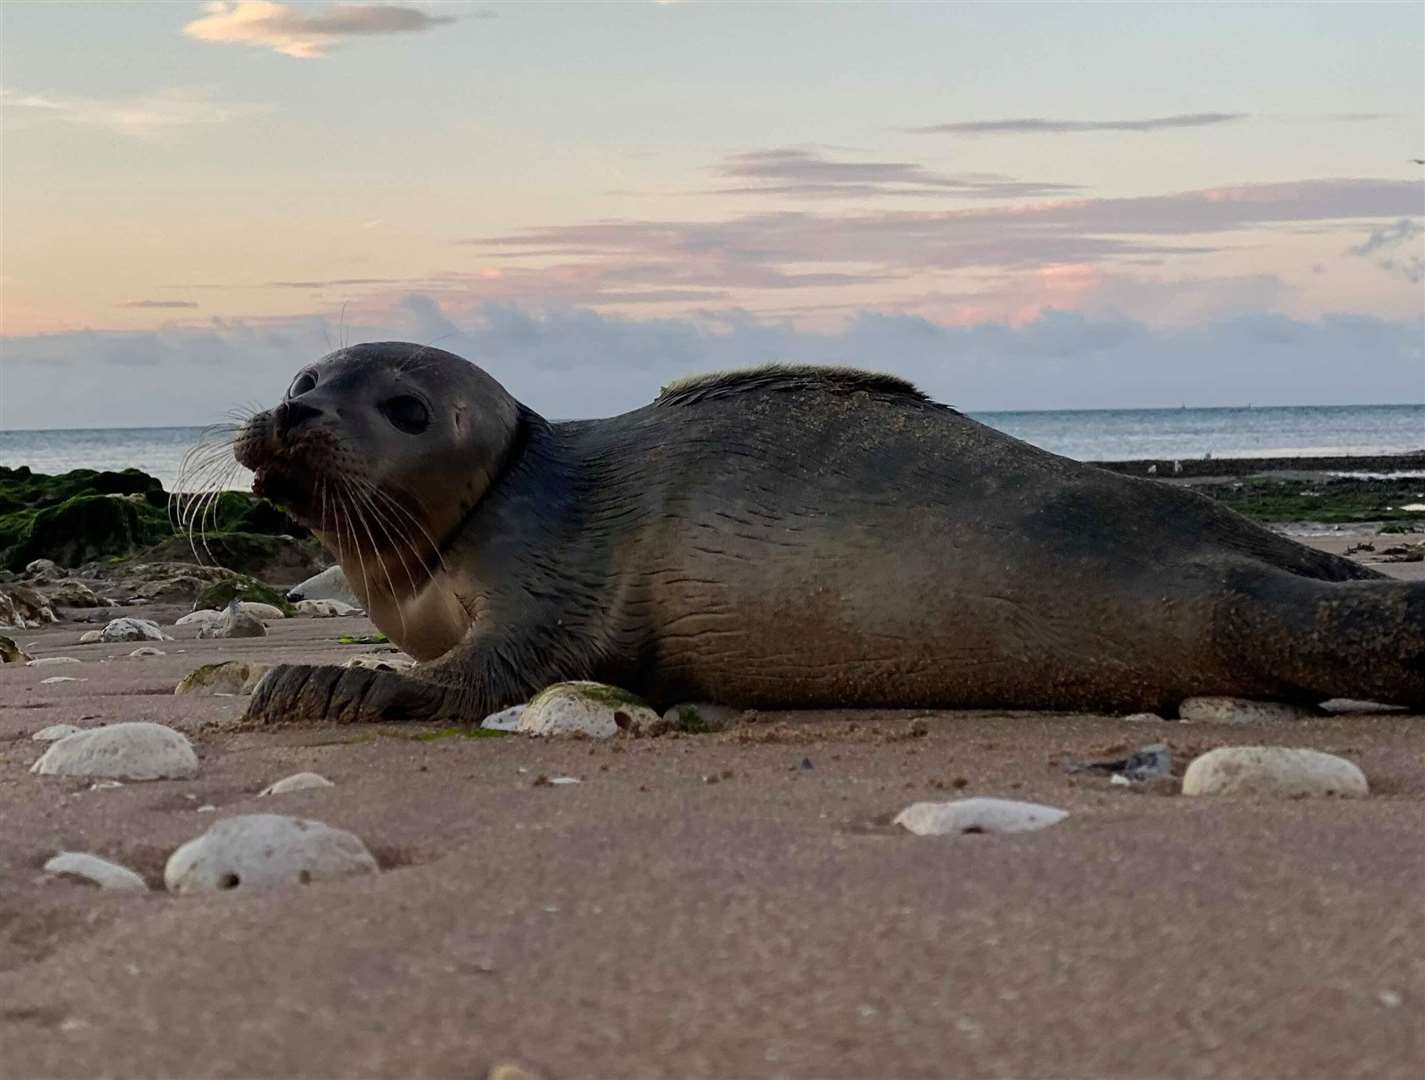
x,y
292,414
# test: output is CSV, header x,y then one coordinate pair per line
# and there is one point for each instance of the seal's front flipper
x,y
303,693
1325,639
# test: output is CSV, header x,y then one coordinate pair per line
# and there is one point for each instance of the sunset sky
x,y
1016,205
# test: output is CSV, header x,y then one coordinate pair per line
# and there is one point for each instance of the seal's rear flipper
x,y
1326,639
302,693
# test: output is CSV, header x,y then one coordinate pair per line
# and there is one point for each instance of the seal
x,y
785,537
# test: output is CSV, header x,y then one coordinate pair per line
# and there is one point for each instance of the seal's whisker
x,y
403,513
362,491
376,554
347,513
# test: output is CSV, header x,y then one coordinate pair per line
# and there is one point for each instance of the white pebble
x,y
265,612
504,720
131,629
130,751
325,609
205,617
564,780
257,851
55,731
89,637
1143,718
1230,710
226,679
1273,770
977,816
147,650
53,679
102,872
49,661
297,782
589,708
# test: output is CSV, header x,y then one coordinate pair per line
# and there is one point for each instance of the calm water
x,y
1097,435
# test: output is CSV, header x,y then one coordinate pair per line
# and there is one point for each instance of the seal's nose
x,y
291,415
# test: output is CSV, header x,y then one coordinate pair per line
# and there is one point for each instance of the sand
x,y
649,922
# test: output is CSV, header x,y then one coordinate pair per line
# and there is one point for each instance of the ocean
x,y
1088,435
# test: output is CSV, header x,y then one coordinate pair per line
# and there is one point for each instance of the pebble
x,y
504,720
977,816
129,751
46,567
55,731
101,872
59,679
259,851
330,584
239,624
1143,718
147,650
258,610
10,653
1230,710
89,637
509,1070
131,629
699,716
48,661
381,662
229,677
296,782
205,617
1279,771
325,609
588,708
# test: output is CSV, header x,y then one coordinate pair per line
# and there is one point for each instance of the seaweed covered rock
x,y
88,527
244,588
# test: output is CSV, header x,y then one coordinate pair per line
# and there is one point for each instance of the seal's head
x,y
382,446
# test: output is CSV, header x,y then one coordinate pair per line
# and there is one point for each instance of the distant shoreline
x,y
1411,461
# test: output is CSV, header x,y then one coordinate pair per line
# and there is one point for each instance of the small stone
x,y
129,751
1142,718
326,609
260,851
42,568
297,782
205,617
504,720
330,584
381,662
55,732
587,708
238,624
147,650
227,678
89,637
977,816
265,612
10,653
50,661
131,629
101,872
1390,999
562,780
72,594
697,717
1230,710
206,808
1273,770
60,679
509,1070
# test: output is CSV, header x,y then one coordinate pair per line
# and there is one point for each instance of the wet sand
x,y
707,906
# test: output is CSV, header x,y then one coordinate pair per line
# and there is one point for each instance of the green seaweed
x,y
455,733
1338,500
363,639
604,694
218,595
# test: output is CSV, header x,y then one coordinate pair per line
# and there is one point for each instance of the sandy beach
x,y
726,905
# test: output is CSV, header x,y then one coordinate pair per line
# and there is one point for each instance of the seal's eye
x,y
301,384
406,413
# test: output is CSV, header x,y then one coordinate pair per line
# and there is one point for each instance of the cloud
x,y
160,304
1034,125
569,362
807,172
284,29
144,116
1385,242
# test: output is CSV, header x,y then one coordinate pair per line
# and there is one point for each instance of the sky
x,y
1016,205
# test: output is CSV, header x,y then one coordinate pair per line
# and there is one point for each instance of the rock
x,y
1145,763
51,661
101,872
297,782
977,816
228,677
392,661
72,594
509,1070
242,588
330,584
1230,710
1142,718
701,716
89,637
130,629
504,720
89,527
55,731
206,617
10,653
587,708
43,568
325,609
265,612
236,624
1273,770
24,608
146,651
260,851
129,751
53,679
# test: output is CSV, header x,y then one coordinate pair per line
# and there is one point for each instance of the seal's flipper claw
x,y
303,693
